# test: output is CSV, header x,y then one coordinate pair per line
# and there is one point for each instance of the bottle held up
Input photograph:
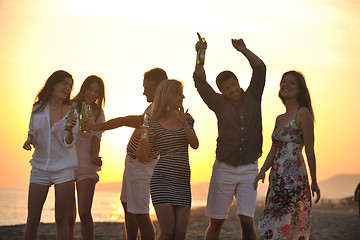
x,y
200,59
82,115
69,126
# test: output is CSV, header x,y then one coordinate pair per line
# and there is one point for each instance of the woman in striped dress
x,y
171,132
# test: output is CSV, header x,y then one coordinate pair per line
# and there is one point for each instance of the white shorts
x,y
135,189
49,178
228,181
81,176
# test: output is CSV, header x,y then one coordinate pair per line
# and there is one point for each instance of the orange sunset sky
x,y
120,41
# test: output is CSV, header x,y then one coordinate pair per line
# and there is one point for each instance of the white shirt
x,y
51,153
83,146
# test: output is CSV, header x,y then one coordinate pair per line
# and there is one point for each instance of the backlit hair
x,y
80,97
46,92
155,75
165,97
303,98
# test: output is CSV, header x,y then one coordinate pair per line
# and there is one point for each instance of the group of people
x,y
62,157
157,159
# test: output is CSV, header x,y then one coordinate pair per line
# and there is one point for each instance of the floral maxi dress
x,y
287,208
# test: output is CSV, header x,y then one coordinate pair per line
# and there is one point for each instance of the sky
x,y
120,41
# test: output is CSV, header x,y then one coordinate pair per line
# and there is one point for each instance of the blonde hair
x,y
164,97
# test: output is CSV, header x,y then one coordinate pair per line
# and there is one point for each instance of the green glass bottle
x,y
200,60
82,114
68,126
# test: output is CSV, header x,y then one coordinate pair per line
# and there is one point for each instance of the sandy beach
x,y
329,221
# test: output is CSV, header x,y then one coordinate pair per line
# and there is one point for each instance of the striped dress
x,y
170,182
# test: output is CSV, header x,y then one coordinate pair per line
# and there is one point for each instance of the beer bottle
x,y
82,114
145,126
201,55
68,126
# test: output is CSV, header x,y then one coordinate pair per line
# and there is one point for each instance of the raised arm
x,y
306,125
239,45
207,93
257,83
199,68
133,121
189,131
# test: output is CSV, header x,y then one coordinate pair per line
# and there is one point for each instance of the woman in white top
x,y
54,157
88,146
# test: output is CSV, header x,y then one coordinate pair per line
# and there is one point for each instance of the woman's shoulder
x,y
278,118
303,112
303,116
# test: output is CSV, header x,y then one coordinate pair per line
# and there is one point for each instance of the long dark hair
x,y
100,101
45,93
304,95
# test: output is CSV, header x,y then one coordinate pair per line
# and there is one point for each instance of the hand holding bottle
x,y
200,47
69,125
88,123
72,121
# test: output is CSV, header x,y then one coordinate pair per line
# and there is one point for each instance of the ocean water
x,y
106,207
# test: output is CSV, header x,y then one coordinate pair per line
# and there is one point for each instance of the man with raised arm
x,y
239,142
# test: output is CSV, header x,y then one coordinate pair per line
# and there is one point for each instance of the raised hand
x,y
238,44
181,115
200,43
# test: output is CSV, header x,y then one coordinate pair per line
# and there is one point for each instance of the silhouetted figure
x,y
357,196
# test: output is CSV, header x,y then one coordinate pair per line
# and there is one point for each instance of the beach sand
x,y
329,221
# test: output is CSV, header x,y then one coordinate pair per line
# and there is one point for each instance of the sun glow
x,y
120,41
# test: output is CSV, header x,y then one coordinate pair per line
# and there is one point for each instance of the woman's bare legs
x,y
36,198
64,207
173,221
85,193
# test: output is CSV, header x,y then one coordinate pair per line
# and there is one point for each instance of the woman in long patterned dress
x,y
287,209
171,133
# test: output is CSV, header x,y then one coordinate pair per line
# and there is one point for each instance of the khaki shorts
x,y
228,182
49,178
81,176
135,189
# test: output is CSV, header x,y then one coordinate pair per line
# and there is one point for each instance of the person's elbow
x,y
194,145
140,158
